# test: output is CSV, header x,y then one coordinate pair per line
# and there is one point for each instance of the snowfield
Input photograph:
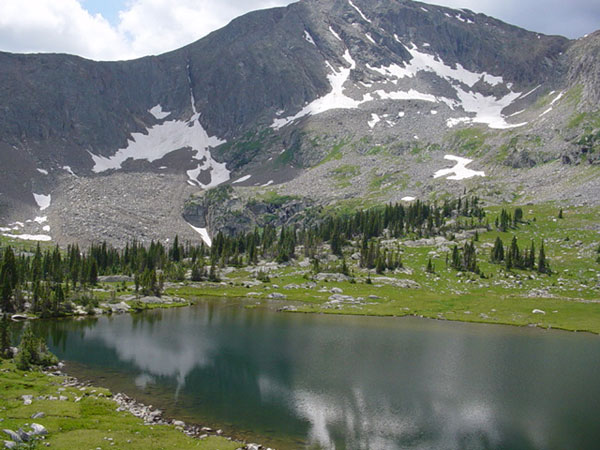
x,y
169,136
242,179
43,201
460,170
158,112
484,109
29,237
203,232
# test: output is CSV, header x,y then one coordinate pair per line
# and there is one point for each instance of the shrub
x,y
33,352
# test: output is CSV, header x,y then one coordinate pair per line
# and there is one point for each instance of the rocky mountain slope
x,y
334,102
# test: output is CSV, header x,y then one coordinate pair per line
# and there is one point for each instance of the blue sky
x,y
125,29
109,9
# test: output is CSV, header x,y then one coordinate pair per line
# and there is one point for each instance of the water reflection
x,y
357,383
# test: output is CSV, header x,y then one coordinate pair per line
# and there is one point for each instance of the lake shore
x,y
76,413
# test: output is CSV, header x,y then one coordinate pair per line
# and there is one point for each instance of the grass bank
x,y
568,299
85,418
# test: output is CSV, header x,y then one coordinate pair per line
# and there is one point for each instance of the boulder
x,y
115,279
338,277
13,435
38,430
119,307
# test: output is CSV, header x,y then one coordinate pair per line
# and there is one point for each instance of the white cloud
x,y
155,26
572,18
58,26
145,26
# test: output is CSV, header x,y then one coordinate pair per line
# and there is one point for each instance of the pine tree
x,y
513,257
497,251
213,275
530,263
175,252
430,267
560,214
344,269
4,338
518,216
8,280
455,261
543,266
93,273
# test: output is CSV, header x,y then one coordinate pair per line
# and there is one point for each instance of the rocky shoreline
x,y
149,414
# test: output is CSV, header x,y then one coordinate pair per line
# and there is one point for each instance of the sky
x,y
126,29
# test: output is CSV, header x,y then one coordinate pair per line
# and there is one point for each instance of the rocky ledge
x,y
149,414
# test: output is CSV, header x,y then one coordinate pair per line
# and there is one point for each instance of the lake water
x,y
324,382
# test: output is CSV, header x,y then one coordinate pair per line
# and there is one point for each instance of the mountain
x,y
321,102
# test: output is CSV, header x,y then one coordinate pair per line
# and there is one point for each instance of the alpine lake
x,y
310,381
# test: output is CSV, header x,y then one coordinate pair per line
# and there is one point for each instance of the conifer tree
x,y
530,263
497,251
543,266
430,267
8,280
4,337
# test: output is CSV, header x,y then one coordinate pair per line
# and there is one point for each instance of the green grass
x,y
87,423
343,174
335,153
275,199
570,296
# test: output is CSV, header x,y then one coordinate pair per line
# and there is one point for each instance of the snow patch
x,y
167,137
69,170
463,19
241,180
46,228
337,36
558,97
488,110
531,91
546,112
423,9
370,38
456,121
408,95
408,199
460,170
42,171
335,99
41,220
43,201
433,112
29,237
269,183
203,232
158,112
359,11
375,119
309,38
425,62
